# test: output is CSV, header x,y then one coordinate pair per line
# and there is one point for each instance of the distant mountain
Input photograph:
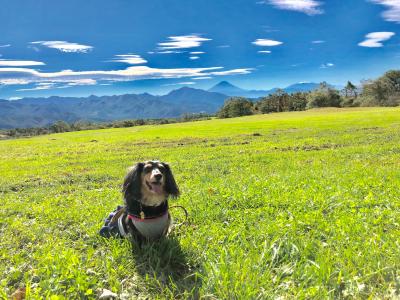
x,y
229,89
38,112
301,87
224,87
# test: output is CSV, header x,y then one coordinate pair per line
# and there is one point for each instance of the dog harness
x,y
150,221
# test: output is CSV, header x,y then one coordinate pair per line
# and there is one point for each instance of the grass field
x,y
282,206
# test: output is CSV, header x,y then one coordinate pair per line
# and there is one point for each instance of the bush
x,y
236,107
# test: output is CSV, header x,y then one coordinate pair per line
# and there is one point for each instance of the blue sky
x,y
78,48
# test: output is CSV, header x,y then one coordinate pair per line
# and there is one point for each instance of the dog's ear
x,y
170,185
132,183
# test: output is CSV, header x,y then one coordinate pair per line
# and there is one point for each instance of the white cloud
x,y
20,63
64,46
39,86
194,57
13,81
14,98
327,65
233,72
375,39
5,46
26,75
183,42
180,83
266,42
309,7
318,42
202,78
265,51
131,59
392,12
197,52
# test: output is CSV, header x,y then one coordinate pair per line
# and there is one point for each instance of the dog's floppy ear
x,y
170,185
132,183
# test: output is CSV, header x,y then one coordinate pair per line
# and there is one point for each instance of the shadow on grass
x,y
166,267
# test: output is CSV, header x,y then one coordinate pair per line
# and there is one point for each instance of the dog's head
x,y
151,180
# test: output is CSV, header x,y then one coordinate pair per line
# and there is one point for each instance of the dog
x,y
145,214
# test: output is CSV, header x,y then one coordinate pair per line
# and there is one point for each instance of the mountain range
x,y
39,112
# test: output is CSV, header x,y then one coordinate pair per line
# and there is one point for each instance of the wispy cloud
x,y
265,51
13,81
392,12
64,46
183,42
266,42
197,52
202,78
167,52
131,59
375,39
5,46
318,42
40,86
194,57
59,85
309,7
20,63
233,72
327,65
26,75
180,83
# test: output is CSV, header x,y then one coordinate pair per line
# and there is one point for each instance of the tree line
x,y
384,91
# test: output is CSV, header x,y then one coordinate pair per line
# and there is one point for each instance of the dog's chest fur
x,y
152,199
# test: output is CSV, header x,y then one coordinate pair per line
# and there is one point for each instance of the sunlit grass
x,y
292,205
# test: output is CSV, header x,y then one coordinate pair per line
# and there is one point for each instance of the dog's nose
x,y
158,176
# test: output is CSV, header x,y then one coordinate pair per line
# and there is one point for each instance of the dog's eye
x,y
147,169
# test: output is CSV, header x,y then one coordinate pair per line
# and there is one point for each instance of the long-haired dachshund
x,y
145,216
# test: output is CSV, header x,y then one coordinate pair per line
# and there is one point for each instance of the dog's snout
x,y
158,176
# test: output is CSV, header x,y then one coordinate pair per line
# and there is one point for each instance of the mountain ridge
x,y
41,111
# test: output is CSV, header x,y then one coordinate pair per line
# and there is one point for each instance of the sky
x,y
107,47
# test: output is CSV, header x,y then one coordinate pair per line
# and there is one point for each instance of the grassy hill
x,y
290,205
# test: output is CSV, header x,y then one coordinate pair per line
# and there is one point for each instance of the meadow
x,y
282,206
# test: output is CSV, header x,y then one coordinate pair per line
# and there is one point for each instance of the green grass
x,y
289,205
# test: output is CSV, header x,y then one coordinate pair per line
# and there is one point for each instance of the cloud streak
x,y
309,7
375,39
131,59
64,46
20,63
183,42
392,13
266,43
327,65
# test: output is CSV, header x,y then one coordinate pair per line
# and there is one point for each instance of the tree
x,y
384,91
324,96
60,126
350,90
236,107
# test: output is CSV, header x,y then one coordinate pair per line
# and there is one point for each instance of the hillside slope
x,y
290,205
